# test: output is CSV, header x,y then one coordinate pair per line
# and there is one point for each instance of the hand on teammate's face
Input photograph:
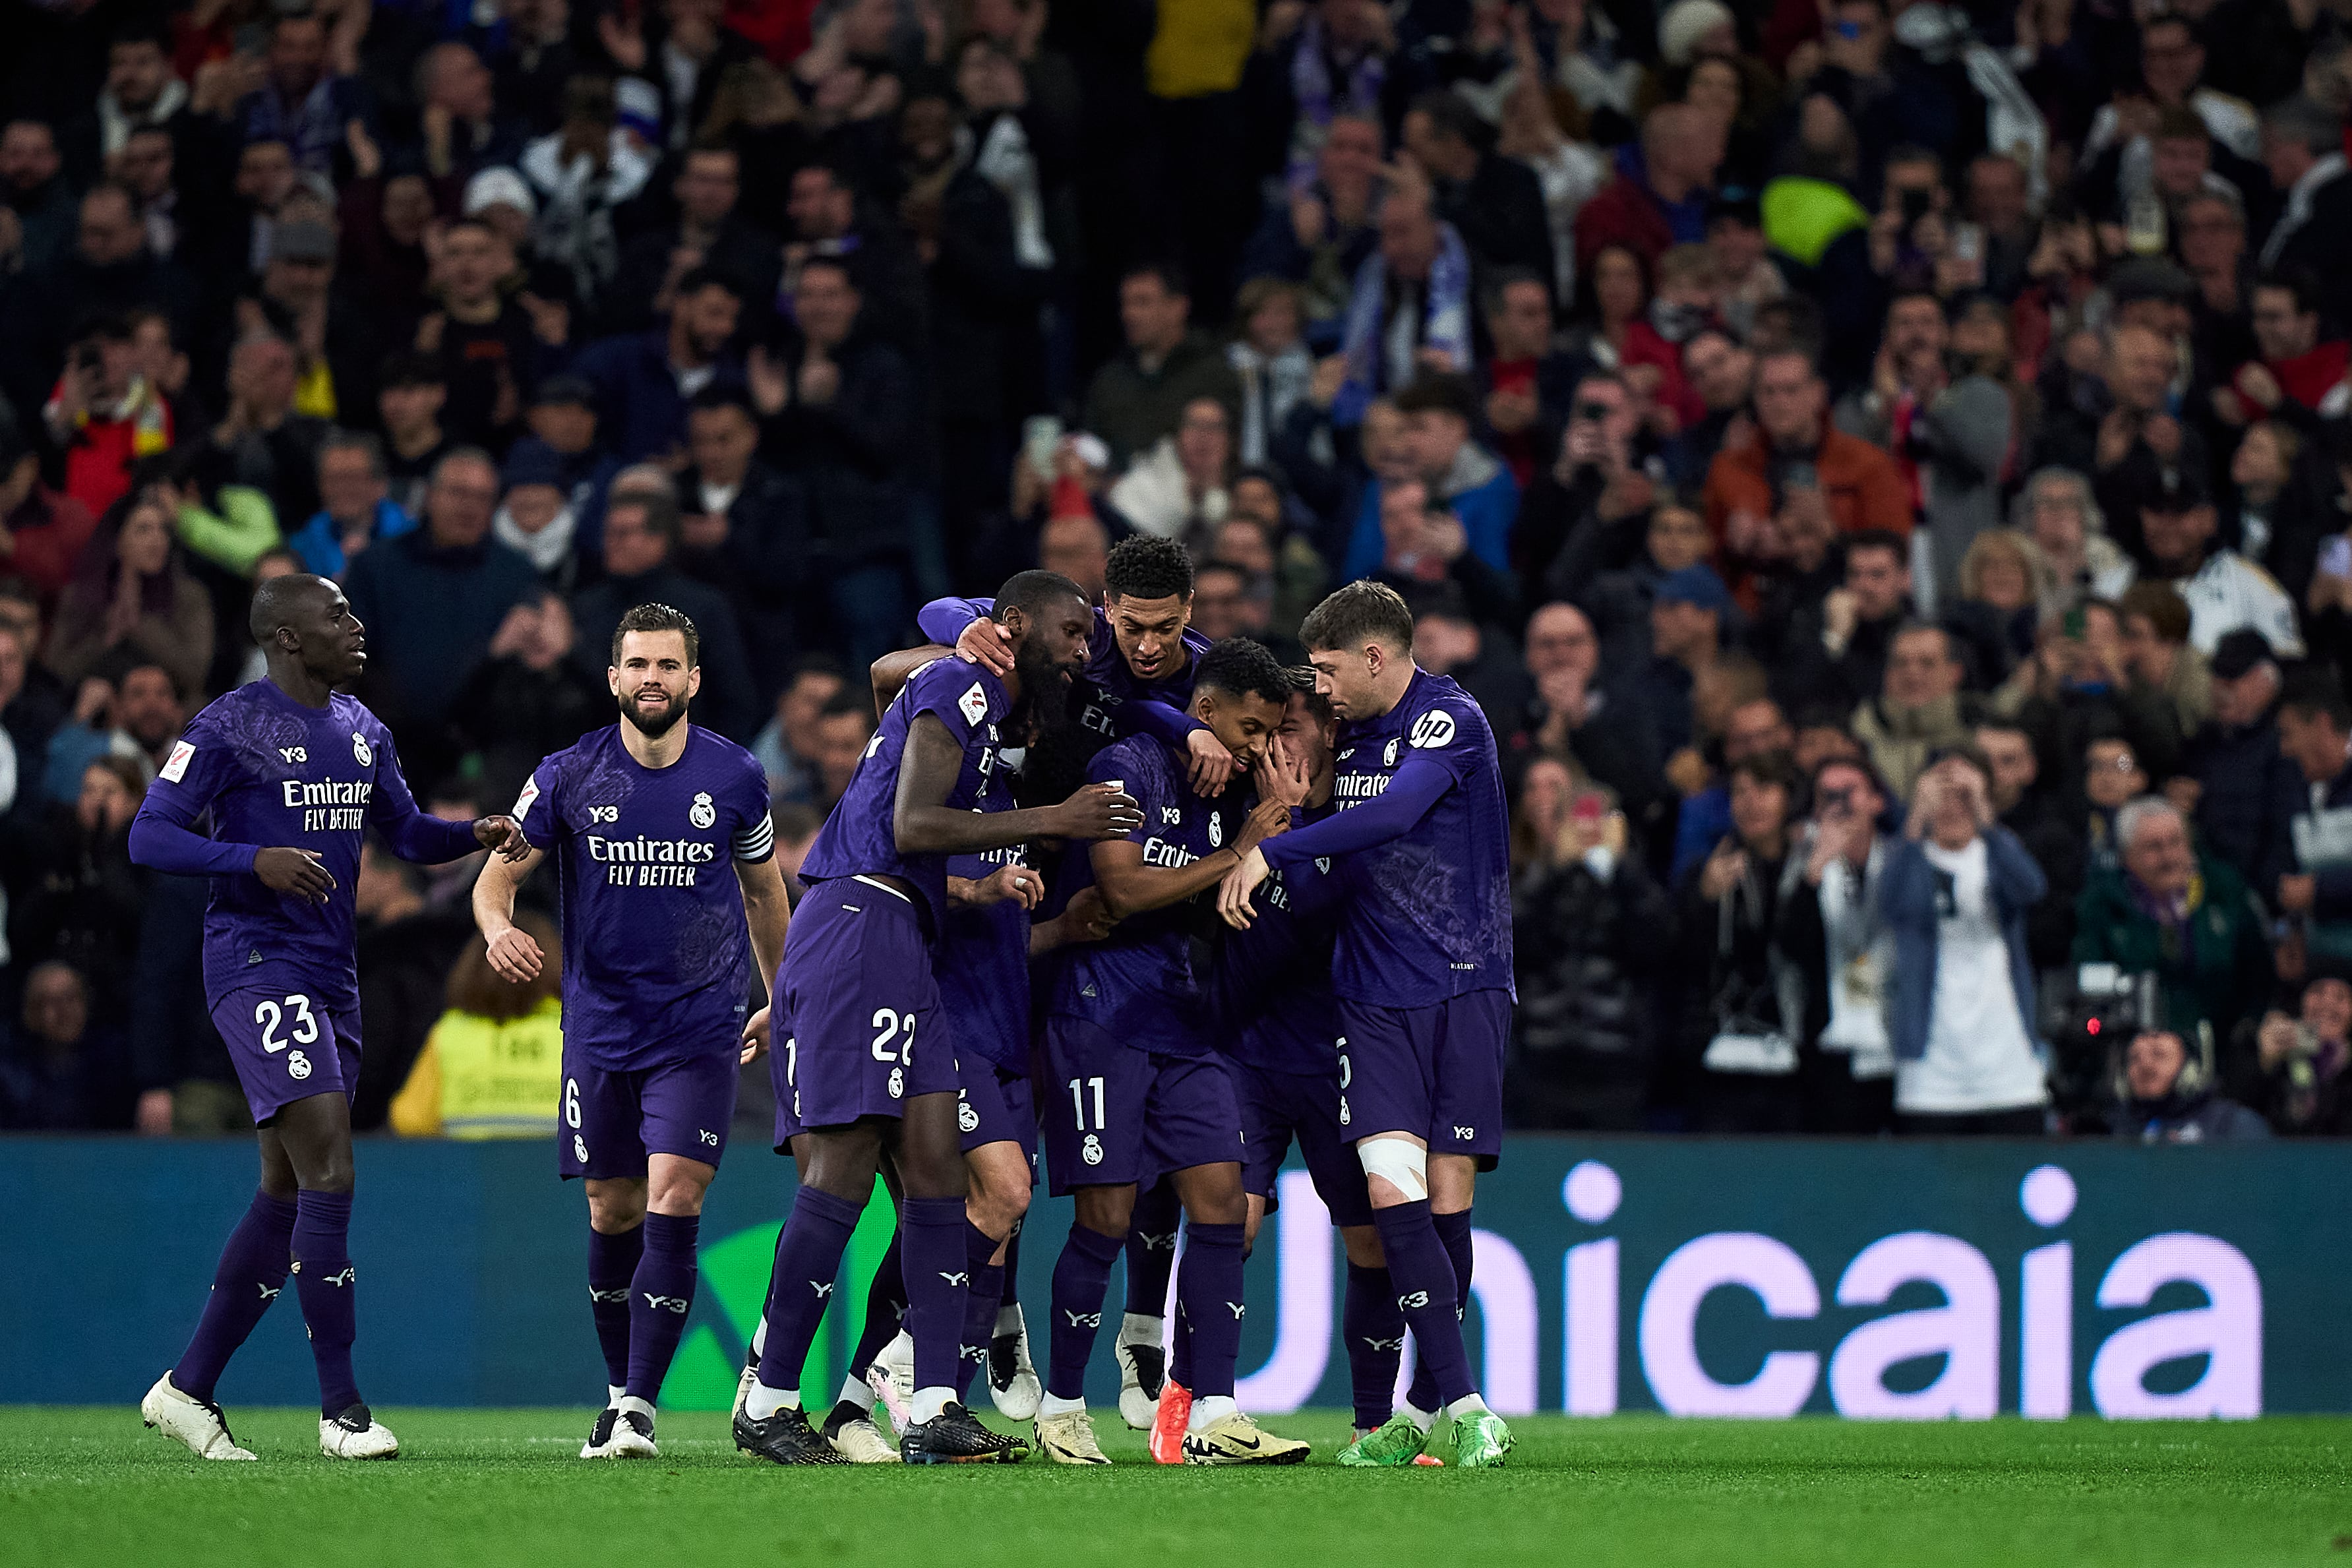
x,y
988,645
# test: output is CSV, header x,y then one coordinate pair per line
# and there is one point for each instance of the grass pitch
x,y
92,1486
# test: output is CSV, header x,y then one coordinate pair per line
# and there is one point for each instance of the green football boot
x,y
1396,1441
1480,1441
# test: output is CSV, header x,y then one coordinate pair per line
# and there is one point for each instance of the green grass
x,y
91,1485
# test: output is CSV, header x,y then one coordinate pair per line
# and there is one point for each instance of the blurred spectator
x,y
838,737
355,506
1585,1049
787,744
1832,930
493,1066
745,527
2057,510
641,530
132,713
2298,1062
132,594
1177,488
1410,309
42,532
536,518
1957,887
62,1073
1139,398
1271,358
1660,196
2225,590
2247,790
710,231
1919,711
434,597
74,895
838,410
581,174
2162,661
484,345
105,415
645,380
2023,806
1740,1027
410,395
2181,915
529,698
1495,203
2168,1096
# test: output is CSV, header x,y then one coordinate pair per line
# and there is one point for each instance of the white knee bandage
x,y
1402,1165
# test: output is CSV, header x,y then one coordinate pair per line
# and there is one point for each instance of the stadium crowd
x,y
1884,476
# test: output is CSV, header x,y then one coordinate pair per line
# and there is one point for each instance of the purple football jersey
x,y
860,835
273,773
1271,985
1427,914
1138,983
983,960
657,955
1107,684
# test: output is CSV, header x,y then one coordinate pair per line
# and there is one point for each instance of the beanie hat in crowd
x,y
1684,23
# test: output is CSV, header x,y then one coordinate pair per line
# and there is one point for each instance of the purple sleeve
x,y
1415,786
408,832
163,835
944,620
161,845
1170,726
535,807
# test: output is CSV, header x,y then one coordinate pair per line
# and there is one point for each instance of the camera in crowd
x,y
2089,1014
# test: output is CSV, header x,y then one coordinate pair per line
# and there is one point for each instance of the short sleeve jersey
x,y
274,773
1428,915
861,836
656,954
1138,983
1271,985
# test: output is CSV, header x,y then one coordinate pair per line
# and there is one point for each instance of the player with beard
x,y
658,953
869,1071
1142,660
292,773
1422,972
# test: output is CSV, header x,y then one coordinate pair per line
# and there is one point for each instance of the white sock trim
x,y
858,1392
1424,1419
1049,1405
764,1402
613,1395
1468,1405
628,1403
1138,1328
1207,1413
928,1403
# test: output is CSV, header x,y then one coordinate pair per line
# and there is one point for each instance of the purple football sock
x,y
980,1306
1454,1235
1151,1248
1180,1339
251,1271
1210,1287
886,1308
808,1262
938,1286
660,1294
1423,1277
1375,1326
1080,1278
611,1263
328,1288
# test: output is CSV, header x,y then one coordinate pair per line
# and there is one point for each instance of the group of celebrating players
x,y
1007,932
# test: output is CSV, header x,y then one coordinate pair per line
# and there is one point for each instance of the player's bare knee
x,y
1255,1219
1452,1183
840,1161
1211,1195
1106,1210
616,1204
676,1186
1363,1243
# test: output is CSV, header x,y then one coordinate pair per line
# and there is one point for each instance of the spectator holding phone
x,y
1832,928
1956,894
2295,1066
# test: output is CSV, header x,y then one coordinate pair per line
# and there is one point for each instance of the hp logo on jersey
x,y
703,813
1434,728
360,751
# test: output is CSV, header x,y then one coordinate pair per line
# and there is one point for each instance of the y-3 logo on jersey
x,y
603,814
1170,815
295,753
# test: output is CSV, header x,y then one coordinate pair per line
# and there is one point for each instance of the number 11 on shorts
x,y
1078,1086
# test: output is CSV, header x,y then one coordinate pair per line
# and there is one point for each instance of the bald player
x,y
292,773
